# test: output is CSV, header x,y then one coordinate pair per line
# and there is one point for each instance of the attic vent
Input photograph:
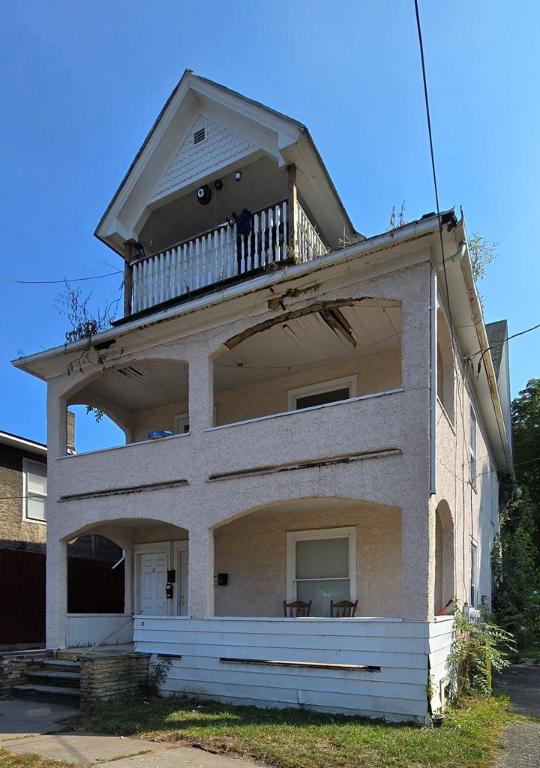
x,y
199,136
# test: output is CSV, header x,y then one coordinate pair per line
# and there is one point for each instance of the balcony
x,y
225,253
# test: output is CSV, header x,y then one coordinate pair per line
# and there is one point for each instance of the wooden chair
x,y
296,609
343,609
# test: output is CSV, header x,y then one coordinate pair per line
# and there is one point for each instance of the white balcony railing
x,y
221,254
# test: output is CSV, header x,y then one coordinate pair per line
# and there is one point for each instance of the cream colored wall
x,y
253,551
374,373
180,472
158,418
474,508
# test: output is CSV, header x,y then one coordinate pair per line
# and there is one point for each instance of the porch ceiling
x,y
369,327
139,386
263,183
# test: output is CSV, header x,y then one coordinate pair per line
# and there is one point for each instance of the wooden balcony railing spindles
x,y
222,254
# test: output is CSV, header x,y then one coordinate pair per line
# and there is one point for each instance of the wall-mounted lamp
x,y
218,184
222,579
238,175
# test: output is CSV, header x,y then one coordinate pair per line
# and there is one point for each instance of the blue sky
x,y
83,82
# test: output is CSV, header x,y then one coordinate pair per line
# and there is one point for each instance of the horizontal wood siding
x,y
441,635
396,692
86,629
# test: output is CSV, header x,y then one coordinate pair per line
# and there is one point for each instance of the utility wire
x,y
56,282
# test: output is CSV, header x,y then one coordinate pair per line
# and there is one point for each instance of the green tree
x,y
516,601
526,443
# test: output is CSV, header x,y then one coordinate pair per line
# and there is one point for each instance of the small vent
x,y
199,136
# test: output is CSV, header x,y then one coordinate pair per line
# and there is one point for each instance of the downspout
x,y
433,387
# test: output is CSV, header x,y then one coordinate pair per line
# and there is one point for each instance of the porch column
x,y
416,571
56,591
128,580
200,391
201,573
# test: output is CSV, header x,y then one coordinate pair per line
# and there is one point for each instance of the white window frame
x,y
181,419
320,533
473,431
27,468
475,586
323,386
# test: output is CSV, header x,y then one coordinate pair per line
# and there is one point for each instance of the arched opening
x,y
318,550
121,567
97,562
445,366
329,352
444,589
144,400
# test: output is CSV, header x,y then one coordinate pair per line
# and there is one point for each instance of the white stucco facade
x,y
215,505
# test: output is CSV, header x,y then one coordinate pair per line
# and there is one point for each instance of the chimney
x,y
70,436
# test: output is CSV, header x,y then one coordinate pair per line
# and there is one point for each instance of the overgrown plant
x,y
157,674
476,650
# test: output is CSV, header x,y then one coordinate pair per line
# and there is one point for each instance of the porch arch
x,y
326,351
152,549
141,396
444,587
255,549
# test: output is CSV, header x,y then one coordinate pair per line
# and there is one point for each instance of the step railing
x,y
223,253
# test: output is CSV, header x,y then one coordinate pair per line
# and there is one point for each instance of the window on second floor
x,y
472,447
322,393
35,490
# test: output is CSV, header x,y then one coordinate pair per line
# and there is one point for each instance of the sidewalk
x,y
32,727
522,683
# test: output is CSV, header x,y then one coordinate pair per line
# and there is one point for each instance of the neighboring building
x,y
23,532
309,415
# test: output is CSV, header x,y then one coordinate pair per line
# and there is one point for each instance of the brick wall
x,y
105,677
16,533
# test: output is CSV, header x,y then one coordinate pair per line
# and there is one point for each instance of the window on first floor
x,y
35,490
474,575
322,393
322,567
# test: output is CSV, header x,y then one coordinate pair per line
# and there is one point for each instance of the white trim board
x,y
320,533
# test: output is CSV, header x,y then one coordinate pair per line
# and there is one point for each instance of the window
x,y
473,447
324,392
474,575
35,490
181,424
321,566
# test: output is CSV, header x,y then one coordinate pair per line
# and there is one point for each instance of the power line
x,y
64,280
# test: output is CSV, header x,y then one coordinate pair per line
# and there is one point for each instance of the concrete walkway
x,y
32,727
522,741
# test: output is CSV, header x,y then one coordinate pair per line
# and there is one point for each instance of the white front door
x,y
152,580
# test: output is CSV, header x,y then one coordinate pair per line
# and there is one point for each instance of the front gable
x,y
208,147
204,132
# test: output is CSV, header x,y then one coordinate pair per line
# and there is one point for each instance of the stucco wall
x,y
253,551
201,502
15,532
474,507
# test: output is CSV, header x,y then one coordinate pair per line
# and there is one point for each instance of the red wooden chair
x,y
343,609
296,609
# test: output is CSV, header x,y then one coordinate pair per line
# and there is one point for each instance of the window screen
x,y
322,572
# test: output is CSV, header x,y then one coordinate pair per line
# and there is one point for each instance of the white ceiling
x,y
139,386
308,340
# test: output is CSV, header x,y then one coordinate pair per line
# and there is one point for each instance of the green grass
x,y
13,760
468,738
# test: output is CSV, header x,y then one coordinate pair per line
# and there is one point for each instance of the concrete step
x,y
56,693
57,677
71,655
62,665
